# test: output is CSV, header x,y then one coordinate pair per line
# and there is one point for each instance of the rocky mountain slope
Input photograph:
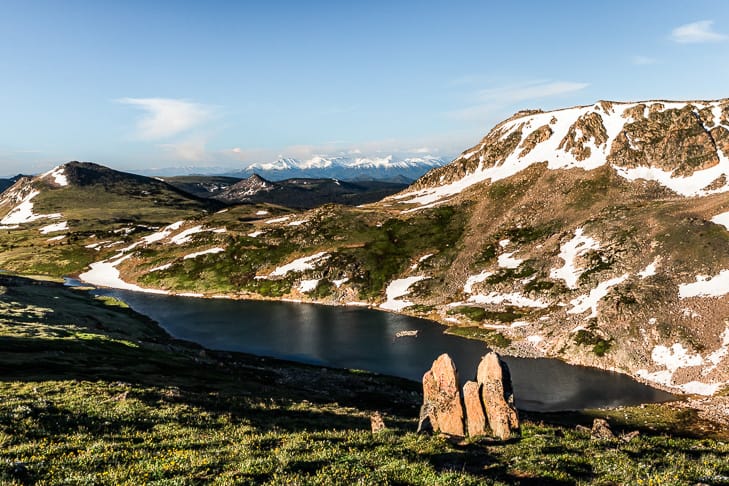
x,y
596,234
388,168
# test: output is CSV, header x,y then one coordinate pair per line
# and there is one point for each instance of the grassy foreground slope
x,y
93,393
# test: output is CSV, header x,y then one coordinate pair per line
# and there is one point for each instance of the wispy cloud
x,y
643,60
166,117
489,101
697,32
190,150
530,91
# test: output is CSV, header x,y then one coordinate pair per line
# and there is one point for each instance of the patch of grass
x,y
585,337
489,336
420,308
479,314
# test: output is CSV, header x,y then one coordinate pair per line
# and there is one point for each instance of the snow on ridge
x,y
577,246
560,121
399,288
300,264
715,286
203,252
59,175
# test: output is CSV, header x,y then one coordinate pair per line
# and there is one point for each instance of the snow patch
x,y
52,228
514,298
399,288
308,285
256,234
261,213
300,264
161,267
338,283
105,274
56,238
715,286
577,246
591,301
507,261
298,223
650,270
186,236
675,357
722,219
59,175
277,220
474,279
162,234
204,252
23,212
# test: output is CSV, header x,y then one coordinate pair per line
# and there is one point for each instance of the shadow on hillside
x,y
213,381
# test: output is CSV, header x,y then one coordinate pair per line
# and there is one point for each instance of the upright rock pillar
x,y
498,396
442,398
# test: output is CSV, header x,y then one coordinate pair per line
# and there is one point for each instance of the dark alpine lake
x,y
360,338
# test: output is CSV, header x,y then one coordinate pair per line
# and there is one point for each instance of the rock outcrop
x,y
489,401
442,399
498,397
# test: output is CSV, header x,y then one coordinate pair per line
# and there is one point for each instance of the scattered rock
x,y
498,396
601,430
442,397
377,423
582,428
475,417
424,424
630,436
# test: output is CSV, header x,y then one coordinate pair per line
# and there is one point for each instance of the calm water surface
x,y
350,337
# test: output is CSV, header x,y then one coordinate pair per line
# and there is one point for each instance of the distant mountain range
x,y
299,193
387,168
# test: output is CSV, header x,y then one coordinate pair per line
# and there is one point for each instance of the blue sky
x,y
142,84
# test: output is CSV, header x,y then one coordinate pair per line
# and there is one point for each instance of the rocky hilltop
x,y
597,234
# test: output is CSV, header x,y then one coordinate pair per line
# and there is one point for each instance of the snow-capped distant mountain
x,y
344,168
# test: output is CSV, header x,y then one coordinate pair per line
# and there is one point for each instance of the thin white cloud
x,y
493,101
530,91
190,150
166,117
642,60
697,32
